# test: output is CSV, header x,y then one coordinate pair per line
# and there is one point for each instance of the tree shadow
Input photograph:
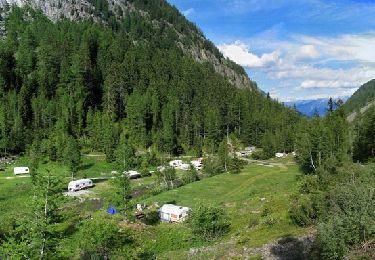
x,y
292,248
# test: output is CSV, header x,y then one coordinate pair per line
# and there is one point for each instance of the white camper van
x,y
21,170
80,184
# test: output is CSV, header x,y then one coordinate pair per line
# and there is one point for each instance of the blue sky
x,y
294,49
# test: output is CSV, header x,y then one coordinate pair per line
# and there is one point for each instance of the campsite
x,y
256,201
176,129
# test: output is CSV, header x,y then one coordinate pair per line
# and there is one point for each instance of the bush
x,y
259,155
212,166
303,211
236,165
208,222
190,175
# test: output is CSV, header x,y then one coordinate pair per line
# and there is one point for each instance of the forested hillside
x,y
91,82
361,98
94,89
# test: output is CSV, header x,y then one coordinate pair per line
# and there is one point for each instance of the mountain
x,y
311,107
361,100
157,14
99,73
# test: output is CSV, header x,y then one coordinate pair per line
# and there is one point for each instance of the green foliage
x,y
303,211
191,175
208,222
364,143
167,177
364,95
322,138
125,155
37,233
121,190
72,155
101,237
350,218
212,166
91,82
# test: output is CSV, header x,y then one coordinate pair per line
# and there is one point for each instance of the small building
x,y
173,213
21,170
133,174
80,185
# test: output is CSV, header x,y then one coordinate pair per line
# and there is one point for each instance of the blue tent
x,y
111,211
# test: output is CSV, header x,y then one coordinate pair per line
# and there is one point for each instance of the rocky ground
x,y
285,248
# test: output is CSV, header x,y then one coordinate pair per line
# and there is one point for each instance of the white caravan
x,y
21,170
133,174
173,213
80,184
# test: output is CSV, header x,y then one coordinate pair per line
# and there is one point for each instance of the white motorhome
x,y
173,213
21,170
80,184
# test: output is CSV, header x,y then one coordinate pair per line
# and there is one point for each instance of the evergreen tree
x,y
72,155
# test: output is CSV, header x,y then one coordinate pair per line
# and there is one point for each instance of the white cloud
x,y
240,53
188,12
305,66
307,51
316,84
348,47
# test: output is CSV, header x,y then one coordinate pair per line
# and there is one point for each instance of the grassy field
x,y
256,201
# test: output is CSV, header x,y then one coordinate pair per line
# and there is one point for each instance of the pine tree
x,y
125,154
72,155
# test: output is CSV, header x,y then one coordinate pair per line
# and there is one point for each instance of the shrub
x,y
190,175
259,155
303,211
212,166
208,222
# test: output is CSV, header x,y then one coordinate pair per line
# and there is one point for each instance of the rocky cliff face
x,y
78,10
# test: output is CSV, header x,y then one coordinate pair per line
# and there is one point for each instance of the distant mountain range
x,y
311,107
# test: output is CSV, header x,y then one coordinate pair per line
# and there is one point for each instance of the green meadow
x,y
256,202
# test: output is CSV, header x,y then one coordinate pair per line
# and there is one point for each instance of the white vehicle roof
x,y
133,173
79,181
175,162
21,170
173,209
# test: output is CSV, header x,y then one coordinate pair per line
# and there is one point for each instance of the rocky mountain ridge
x,y
79,10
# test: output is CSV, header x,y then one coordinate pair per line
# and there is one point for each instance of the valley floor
x,y
256,201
